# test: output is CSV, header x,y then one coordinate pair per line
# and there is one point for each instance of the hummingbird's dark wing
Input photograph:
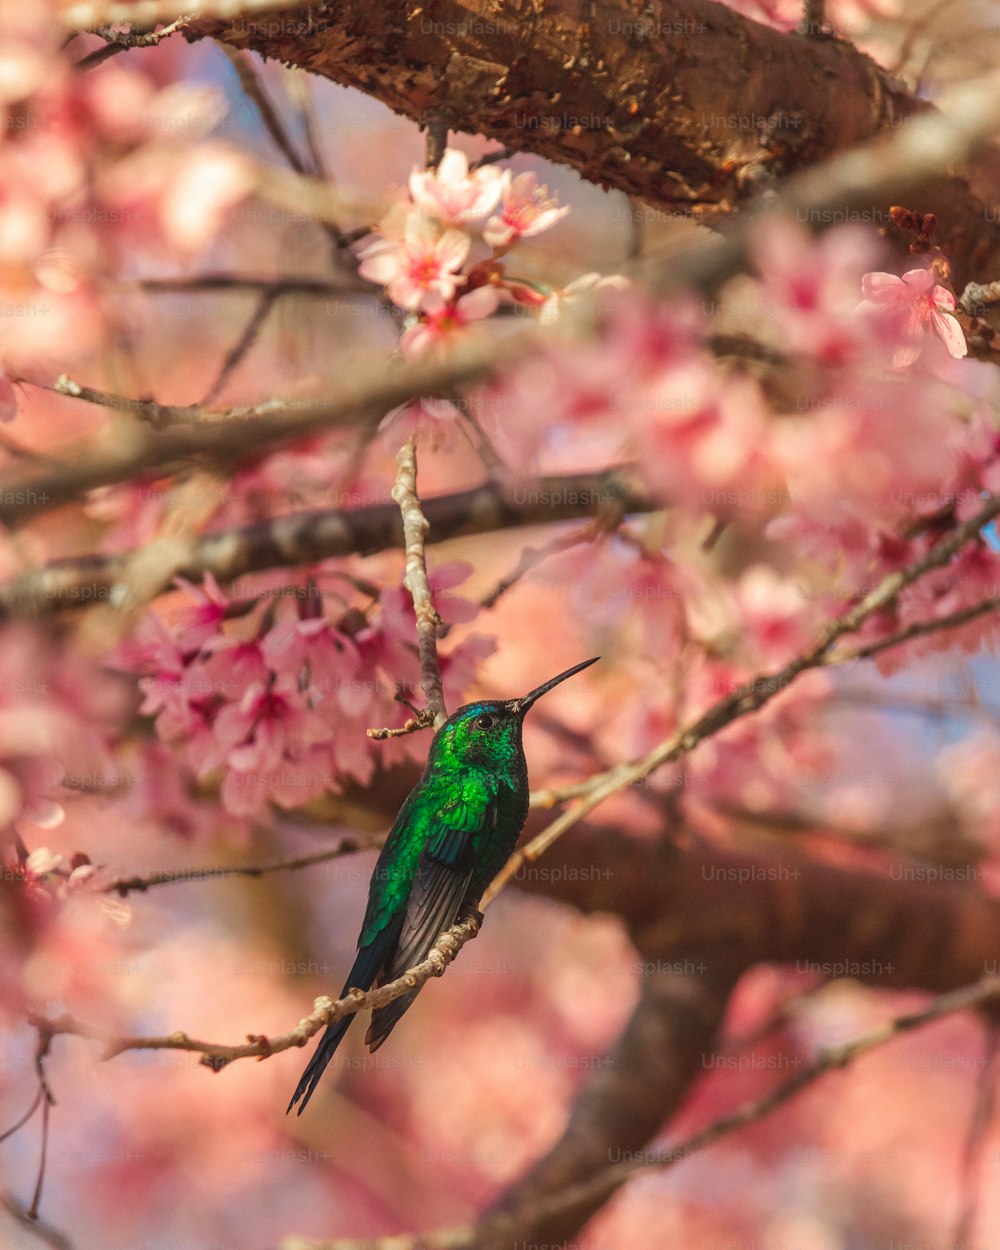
x,y
439,888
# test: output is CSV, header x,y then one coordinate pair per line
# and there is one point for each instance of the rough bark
x,y
686,104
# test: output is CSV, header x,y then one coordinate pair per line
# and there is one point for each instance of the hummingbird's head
x,y
488,734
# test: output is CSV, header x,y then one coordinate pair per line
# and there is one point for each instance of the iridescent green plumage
x,y
452,836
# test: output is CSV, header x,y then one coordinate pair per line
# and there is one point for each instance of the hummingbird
x,y
455,831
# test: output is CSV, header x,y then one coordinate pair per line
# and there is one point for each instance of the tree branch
x,y
218,1054
232,437
309,537
348,845
415,528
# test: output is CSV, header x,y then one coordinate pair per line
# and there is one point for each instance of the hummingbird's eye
x,y
485,721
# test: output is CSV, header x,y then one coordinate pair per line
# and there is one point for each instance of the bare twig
x,y
218,1054
746,698
120,41
415,527
299,87
47,1101
348,845
813,19
436,141
38,1228
422,720
157,415
256,93
532,557
917,630
253,327
24,1118
491,158
200,283
105,460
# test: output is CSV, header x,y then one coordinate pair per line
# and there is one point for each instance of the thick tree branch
x,y
308,537
689,106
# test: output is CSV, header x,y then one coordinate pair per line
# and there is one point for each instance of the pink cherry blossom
x,y
430,419
451,194
201,622
526,210
442,322
424,260
918,304
808,288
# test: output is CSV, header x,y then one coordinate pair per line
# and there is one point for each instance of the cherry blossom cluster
x,y
270,694
439,252
873,427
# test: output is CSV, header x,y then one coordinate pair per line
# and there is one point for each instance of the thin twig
x,y
436,141
47,1102
749,697
218,1054
24,1118
256,93
491,158
415,527
917,630
159,416
199,283
422,720
243,344
532,557
348,845
299,86
974,1150
813,19
39,1228
121,41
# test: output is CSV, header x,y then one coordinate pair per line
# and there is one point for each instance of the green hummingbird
x,y
455,831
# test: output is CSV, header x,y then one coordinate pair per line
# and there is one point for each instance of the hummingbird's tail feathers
x,y
318,1063
362,976
385,1019
434,905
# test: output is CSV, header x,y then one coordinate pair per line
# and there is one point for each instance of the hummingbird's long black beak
x,y
522,704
